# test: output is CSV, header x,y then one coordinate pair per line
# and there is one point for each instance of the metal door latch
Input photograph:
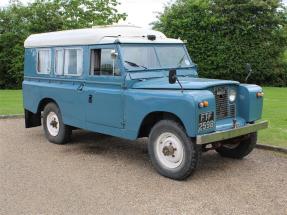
x,y
90,98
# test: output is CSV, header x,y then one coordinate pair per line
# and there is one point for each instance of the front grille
x,y
223,108
232,110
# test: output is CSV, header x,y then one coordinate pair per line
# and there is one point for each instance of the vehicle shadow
x,y
136,153
84,142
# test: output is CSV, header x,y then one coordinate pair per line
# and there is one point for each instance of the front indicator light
x,y
259,94
203,104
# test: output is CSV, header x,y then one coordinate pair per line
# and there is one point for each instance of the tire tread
x,y
242,150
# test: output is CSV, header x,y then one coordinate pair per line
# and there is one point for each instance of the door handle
x,y
90,100
80,88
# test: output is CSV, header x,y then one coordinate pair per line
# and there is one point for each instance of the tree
x,y
17,22
223,35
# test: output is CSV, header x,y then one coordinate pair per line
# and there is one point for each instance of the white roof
x,y
97,35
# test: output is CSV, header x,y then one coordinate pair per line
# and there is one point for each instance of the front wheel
x,y
172,152
55,130
239,148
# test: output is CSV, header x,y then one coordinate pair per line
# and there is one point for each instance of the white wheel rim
x,y
169,150
53,124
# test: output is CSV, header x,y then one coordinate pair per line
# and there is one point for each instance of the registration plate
x,y
206,121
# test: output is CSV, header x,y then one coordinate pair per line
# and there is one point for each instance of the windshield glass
x,y
154,56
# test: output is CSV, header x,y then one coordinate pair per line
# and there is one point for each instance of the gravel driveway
x,y
97,174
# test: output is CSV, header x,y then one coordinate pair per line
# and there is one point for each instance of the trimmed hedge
x,y
223,35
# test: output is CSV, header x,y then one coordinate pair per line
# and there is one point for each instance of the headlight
x,y
232,95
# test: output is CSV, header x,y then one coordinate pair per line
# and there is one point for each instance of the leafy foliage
x,y
223,35
17,22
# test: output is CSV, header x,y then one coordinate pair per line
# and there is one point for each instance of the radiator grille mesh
x,y
223,108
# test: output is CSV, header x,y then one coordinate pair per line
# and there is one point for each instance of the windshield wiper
x,y
180,61
134,64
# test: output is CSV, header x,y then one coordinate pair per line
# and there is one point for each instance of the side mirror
x,y
172,76
248,70
114,54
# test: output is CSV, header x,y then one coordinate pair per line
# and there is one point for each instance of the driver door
x,y
103,90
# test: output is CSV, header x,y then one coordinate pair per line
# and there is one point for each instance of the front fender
x,y
250,106
141,102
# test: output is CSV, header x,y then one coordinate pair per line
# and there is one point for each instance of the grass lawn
x,y
275,111
11,102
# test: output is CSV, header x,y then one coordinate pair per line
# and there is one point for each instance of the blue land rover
x,y
129,82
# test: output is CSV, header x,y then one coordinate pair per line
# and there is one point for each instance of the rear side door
x,y
104,88
68,82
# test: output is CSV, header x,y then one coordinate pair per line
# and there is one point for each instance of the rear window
x,y
44,61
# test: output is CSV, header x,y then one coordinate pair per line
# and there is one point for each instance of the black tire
x,y
245,145
65,131
191,152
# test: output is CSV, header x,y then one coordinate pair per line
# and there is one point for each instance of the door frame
x,y
106,81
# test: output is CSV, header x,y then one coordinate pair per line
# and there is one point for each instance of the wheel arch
x,y
34,119
43,102
152,118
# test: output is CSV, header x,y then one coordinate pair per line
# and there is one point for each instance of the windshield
x,y
154,56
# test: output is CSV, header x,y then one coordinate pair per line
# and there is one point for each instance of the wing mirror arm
x,y
172,78
248,70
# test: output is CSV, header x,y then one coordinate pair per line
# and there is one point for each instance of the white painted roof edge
x,y
97,35
109,40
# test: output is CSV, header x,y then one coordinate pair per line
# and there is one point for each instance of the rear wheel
x,y
55,130
239,148
172,152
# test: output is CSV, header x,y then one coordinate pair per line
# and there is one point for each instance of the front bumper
x,y
231,133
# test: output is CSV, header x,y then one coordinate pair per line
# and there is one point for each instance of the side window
x,y
59,61
69,62
44,61
73,61
104,62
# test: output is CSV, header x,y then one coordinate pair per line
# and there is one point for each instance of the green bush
x,y
17,22
223,35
